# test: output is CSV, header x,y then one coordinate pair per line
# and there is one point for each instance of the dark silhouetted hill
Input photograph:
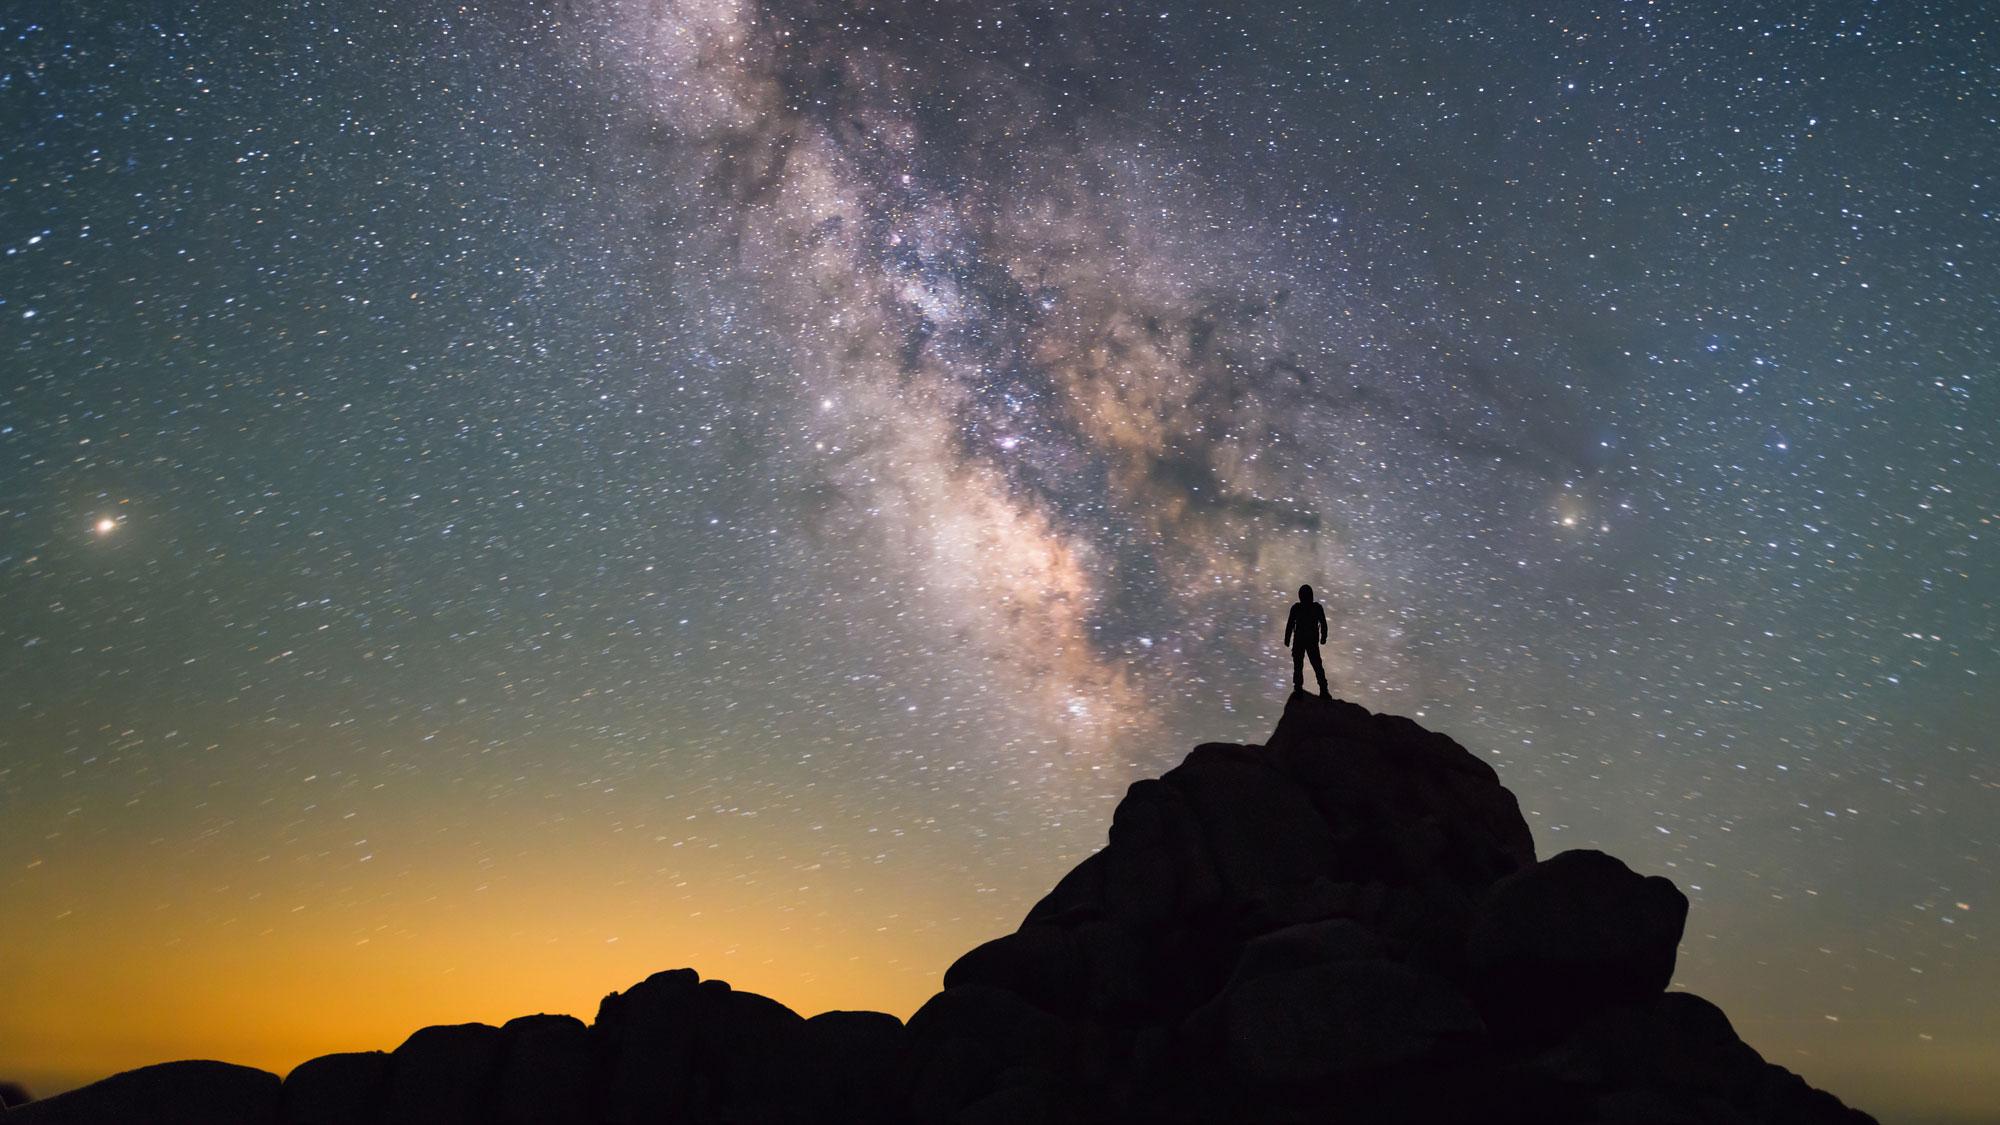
x,y
1346,924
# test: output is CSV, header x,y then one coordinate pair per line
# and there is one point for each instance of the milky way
x,y
1101,409
497,502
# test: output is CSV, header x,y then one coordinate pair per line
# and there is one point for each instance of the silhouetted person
x,y
1305,631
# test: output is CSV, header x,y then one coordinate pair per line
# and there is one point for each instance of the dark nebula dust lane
x,y
614,484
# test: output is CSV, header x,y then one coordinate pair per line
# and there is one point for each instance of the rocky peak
x,y
1347,923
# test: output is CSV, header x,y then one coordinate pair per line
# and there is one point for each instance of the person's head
x,y
1305,593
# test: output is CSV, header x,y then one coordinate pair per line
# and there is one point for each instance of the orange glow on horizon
x,y
243,939
105,998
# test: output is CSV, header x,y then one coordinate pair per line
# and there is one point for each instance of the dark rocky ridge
x,y
1346,924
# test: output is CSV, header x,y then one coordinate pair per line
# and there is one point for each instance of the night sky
x,y
497,500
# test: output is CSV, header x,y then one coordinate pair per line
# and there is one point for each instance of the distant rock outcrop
x,y
195,1092
1346,924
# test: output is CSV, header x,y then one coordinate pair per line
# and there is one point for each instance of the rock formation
x,y
1345,924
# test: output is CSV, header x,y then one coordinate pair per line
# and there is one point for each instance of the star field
x,y
499,500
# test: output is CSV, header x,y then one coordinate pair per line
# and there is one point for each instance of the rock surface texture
x,y
1345,924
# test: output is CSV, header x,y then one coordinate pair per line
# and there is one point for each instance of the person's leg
x,y
1319,669
1299,667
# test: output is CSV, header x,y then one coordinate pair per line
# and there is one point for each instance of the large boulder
x,y
351,1088
681,1048
1406,804
1039,963
13,1094
1343,816
1677,1054
1306,945
973,1042
194,1092
851,1066
548,1073
743,1051
647,1033
1341,1017
1570,936
1257,823
1155,869
444,1076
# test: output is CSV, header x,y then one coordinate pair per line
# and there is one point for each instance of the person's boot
x,y
1323,693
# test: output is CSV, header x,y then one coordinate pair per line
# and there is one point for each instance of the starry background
x,y
496,500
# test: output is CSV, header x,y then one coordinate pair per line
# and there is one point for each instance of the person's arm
x,y
1291,619
1322,625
